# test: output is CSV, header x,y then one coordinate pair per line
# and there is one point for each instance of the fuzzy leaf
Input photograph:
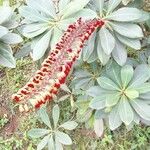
x,y
41,46
112,4
107,40
128,30
125,14
114,118
107,83
69,125
56,113
36,133
3,31
125,111
63,138
126,74
43,142
99,127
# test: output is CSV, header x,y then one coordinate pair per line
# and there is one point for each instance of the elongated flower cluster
x,y
56,67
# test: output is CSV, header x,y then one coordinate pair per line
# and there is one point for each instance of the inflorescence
x,y
56,67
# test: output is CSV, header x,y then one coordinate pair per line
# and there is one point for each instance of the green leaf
x,y
126,74
51,145
107,83
62,4
69,125
99,127
73,7
132,94
6,56
32,14
119,53
34,29
112,4
41,46
58,145
63,138
56,113
100,4
112,99
98,102
103,57
43,142
3,31
57,33
125,111
44,6
6,13
141,108
44,116
128,30
12,38
36,133
143,88
114,118
133,43
141,75
107,40
125,14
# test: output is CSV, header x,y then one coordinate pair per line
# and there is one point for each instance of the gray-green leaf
x,y
56,113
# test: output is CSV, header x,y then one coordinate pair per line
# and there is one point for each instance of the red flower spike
x,y
55,69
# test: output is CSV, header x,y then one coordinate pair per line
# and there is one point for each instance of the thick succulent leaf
x,y
143,88
141,75
56,114
132,94
113,72
44,116
114,118
32,14
141,108
43,142
112,4
100,5
98,102
107,40
107,83
126,74
125,14
119,53
6,13
95,91
57,33
35,33
125,111
69,125
99,127
45,6
41,46
11,38
51,145
73,7
62,4
58,145
63,138
85,13
36,133
88,50
112,99
145,96
133,43
6,56
128,30
103,57
3,31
